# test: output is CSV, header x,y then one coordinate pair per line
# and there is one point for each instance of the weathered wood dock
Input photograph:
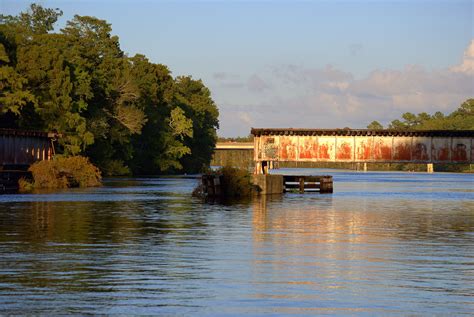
x,y
308,183
212,185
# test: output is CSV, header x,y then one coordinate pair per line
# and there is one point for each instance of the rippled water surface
x,y
382,244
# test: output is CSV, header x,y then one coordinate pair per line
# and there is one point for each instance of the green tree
x,y
460,119
397,125
13,95
195,98
375,125
125,113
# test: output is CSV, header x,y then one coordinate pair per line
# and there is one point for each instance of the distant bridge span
x,y
234,146
362,146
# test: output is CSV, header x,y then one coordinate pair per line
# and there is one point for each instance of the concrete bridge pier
x,y
430,168
361,167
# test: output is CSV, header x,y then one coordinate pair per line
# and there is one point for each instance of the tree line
x,y
127,114
460,119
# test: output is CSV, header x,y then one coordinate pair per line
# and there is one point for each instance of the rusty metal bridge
x,y
361,146
18,150
22,147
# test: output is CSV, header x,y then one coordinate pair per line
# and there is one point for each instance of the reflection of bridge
x,y
362,146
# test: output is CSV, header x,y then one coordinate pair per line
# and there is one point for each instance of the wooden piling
x,y
301,179
326,185
211,185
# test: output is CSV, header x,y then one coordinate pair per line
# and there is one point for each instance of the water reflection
x,y
372,248
343,256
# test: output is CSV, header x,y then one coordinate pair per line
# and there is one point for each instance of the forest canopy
x,y
460,119
127,114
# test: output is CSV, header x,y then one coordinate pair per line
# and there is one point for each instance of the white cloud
x,y
331,98
257,84
222,76
467,65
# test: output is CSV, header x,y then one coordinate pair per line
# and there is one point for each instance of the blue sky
x,y
316,64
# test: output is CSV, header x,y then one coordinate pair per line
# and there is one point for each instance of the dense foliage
x,y
236,182
127,114
65,172
460,119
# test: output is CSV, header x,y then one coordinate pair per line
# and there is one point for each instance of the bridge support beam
x,y
261,167
430,168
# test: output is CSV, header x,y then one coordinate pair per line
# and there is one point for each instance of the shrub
x,y
236,182
64,172
25,185
115,168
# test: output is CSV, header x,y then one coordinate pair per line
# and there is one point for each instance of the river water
x,y
383,244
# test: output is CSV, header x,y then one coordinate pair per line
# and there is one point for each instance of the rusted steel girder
x,y
348,145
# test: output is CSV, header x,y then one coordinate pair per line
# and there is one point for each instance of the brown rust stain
x,y
309,149
382,152
364,151
344,151
402,152
443,154
288,149
420,152
323,152
459,153
386,152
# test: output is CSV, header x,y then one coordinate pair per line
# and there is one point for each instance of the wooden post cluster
x,y
326,185
211,185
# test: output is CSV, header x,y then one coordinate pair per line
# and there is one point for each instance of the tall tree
x,y
195,99
375,125
125,113
460,119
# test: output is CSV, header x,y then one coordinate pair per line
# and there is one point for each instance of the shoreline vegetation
x,y
126,114
62,172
